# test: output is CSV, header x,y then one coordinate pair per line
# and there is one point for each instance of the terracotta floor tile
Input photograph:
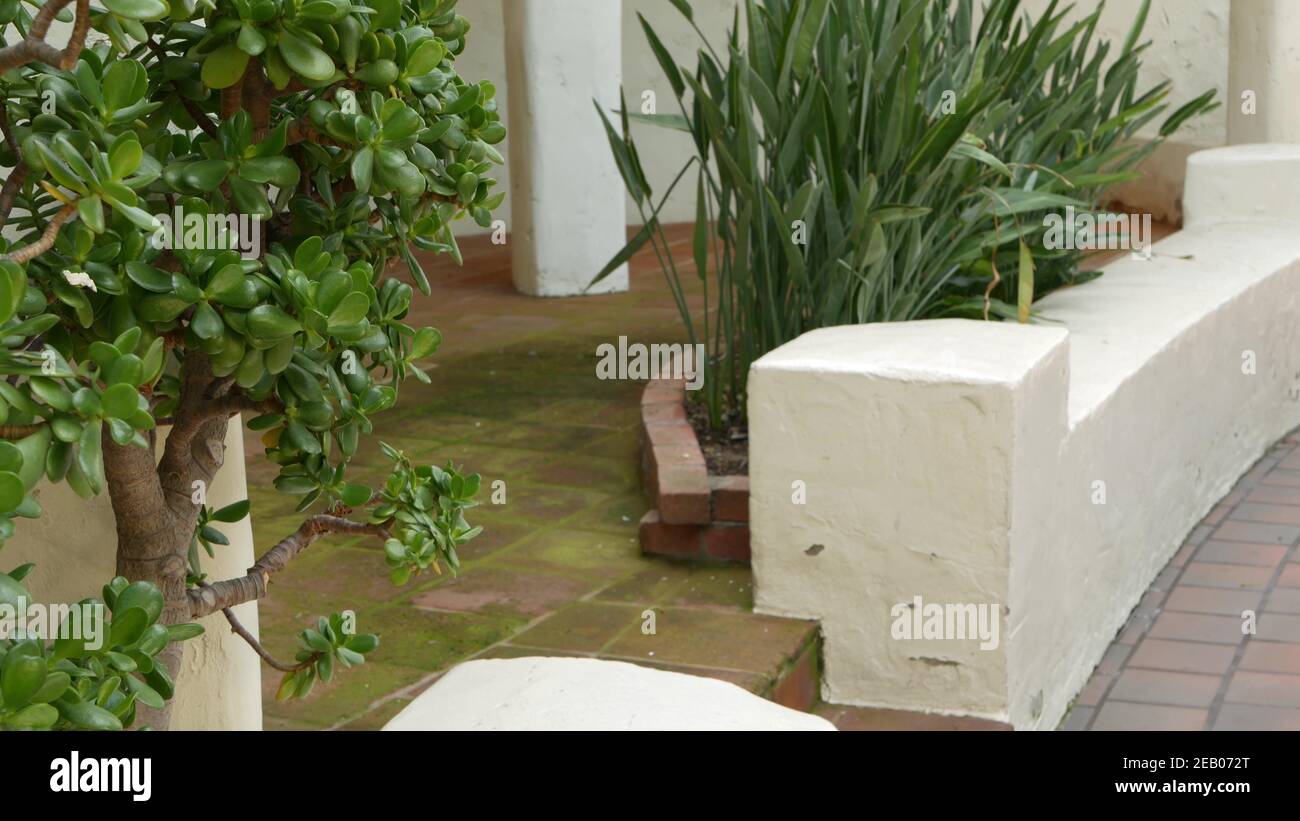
x,y
1197,627
1182,656
1254,717
1234,530
1264,689
1165,687
1120,715
1227,576
1271,657
1188,599
1278,627
1260,555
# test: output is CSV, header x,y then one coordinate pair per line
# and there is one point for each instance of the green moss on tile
x,y
648,586
712,638
428,640
597,555
584,627
723,586
349,695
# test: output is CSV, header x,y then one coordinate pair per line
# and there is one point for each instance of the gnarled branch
x,y
19,431
144,524
199,117
46,242
194,448
232,98
305,132
13,184
33,48
227,405
213,597
72,52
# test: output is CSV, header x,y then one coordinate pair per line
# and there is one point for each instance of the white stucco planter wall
x,y
965,462
560,694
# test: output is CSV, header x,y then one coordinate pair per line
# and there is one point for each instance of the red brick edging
x,y
695,515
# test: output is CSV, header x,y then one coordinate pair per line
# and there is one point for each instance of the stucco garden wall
x,y
1048,470
1189,48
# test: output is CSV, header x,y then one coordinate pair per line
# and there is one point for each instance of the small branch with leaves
x,y
238,629
210,598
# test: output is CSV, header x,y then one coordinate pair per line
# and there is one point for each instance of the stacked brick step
x,y
695,516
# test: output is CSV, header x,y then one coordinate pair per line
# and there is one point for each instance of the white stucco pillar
x,y
1264,66
569,205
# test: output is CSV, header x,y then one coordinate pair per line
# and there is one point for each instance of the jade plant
x,y
212,208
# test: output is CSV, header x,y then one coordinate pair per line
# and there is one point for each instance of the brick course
x,y
695,515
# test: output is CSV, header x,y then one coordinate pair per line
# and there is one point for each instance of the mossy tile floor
x,y
557,571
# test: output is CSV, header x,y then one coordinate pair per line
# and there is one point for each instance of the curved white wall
x,y
1051,470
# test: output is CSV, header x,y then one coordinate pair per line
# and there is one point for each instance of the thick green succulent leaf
x,y
224,67
305,59
137,9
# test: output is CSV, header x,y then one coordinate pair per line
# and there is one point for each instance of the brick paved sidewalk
x,y
1182,661
558,570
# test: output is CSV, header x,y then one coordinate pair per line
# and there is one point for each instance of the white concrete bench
x,y
590,694
1048,470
